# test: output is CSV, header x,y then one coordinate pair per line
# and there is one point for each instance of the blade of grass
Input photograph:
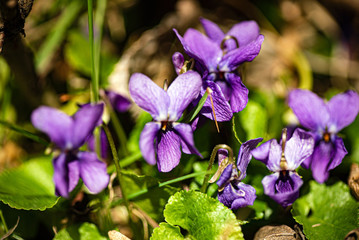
x,y
24,132
196,110
57,35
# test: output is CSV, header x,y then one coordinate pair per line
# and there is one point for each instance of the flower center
x,y
165,125
326,136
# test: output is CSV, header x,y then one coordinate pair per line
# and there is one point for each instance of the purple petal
x,y
119,103
168,151
85,121
178,61
245,156
261,153
225,176
93,172
61,177
299,147
343,109
212,30
150,97
282,189
147,141
246,53
275,154
184,131
201,48
73,174
340,153
183,90
237,195
323,153
221,106
310,110
245,32
239,93
56,124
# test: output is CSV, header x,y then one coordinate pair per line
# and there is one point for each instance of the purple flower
x,y
217,58
164,136
282,159
69,134
324,120
232,192
118,102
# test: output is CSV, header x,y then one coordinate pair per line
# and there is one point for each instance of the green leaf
x,y
167,232
201,216
254,120
153,200
85,231
29,186
197,109
326,212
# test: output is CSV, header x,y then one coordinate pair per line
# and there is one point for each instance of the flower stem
x,y
94,80
3,221
234,130
118,167
117,125
211,161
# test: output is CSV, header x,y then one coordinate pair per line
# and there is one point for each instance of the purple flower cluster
x,y
216,59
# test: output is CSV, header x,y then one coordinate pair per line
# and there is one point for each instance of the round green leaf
x,y
30,186
201,216
167,232
326,212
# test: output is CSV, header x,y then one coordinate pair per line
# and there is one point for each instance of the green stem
x,y
99,18
94,80
146,190
3,221
117,125
234,130
211,161
118,167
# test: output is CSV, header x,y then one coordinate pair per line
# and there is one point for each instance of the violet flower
x,y
232,192
282,159
217,58
324,120
119,103
69,134
164,136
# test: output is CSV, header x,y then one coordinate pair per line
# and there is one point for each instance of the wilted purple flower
x,y
164,137
324,120
232,192
69,134
217,58
282,159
